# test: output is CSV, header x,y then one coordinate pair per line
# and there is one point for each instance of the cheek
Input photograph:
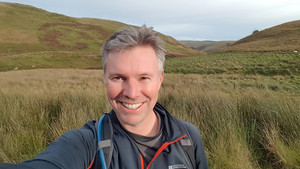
x,y
151,91
112,90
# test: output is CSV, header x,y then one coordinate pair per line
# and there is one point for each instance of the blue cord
x,y
102,157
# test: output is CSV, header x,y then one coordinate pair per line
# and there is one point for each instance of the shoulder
x,y
87,132
83,137
193,131
190,127
89,129
200,155
74,149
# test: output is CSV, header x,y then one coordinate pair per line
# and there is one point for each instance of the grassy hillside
x,y
32,37
207,46
284,37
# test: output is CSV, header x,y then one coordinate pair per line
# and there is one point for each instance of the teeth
x,y
132,106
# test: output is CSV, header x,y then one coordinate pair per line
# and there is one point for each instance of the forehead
x,y
141,58
137,53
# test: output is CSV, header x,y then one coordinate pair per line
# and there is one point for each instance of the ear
x,y
161,78
104,78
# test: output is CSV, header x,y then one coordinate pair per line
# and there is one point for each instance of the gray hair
x,y
129,38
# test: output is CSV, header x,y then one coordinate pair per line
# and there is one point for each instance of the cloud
x,y
192,19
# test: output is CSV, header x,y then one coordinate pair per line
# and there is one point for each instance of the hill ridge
x,y
283,37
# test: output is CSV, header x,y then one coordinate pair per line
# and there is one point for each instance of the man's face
x,y
132,83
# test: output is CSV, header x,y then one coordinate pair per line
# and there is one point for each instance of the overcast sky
x,y
183,19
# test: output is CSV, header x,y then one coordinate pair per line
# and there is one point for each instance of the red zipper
x,y
91,164
158,152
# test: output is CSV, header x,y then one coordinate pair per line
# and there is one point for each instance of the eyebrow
x,y
122,75
146,74
115,74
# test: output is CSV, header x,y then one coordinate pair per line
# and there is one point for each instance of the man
x,y
143,133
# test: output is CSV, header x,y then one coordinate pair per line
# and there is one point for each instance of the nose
x,y
131,89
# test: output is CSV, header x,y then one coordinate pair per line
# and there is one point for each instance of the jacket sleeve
x,y
201,160
75,149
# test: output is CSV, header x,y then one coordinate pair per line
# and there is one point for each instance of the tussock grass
x,y
242,126
37,107
254,128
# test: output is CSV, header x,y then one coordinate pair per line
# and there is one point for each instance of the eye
x,y
144,78
117,78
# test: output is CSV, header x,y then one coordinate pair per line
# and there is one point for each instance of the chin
x,y
131,119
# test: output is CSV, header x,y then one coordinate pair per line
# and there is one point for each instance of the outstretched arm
x,y
75,149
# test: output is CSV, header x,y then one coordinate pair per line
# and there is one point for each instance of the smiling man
x,y
132,80
138,132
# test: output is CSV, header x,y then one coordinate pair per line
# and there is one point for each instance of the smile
x,y
132,106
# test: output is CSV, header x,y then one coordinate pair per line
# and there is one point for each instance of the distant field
x,y
208,46
195,44
260,63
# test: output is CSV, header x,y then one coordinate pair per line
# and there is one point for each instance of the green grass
x,y
261,63
252,63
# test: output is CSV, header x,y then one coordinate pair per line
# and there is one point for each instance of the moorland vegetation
x,y
246,103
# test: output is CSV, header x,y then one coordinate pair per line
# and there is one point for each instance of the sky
x,y
215,20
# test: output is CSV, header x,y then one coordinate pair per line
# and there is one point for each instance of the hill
x,y
284,37
32,37
195,44
207,46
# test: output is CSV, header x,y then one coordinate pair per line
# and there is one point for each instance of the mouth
x,y
132,106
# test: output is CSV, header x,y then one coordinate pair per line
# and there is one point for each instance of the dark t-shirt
x,y
148,146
